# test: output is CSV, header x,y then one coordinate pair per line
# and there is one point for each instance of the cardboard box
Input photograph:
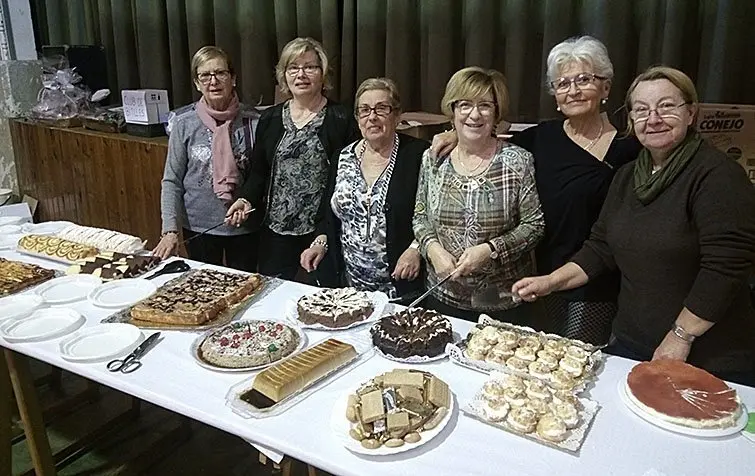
x,y
730,128
145,106
423,125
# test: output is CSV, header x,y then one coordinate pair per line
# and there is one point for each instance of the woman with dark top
x,y
575,160
208,158
290,161
679,225
477,215
366,238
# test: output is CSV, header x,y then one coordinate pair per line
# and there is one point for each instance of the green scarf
x,y
648,185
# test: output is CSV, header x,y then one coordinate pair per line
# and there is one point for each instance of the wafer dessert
x,y
292,375
16,276
56,247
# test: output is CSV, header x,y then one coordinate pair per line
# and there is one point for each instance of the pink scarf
x,y
225,173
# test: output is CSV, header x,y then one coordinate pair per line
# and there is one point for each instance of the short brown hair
x,y
380,84
473,83
294,49
676,77
208,53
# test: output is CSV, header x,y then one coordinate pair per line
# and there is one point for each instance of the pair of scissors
x,y
131,362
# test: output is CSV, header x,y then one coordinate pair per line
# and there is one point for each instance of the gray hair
x,y
583,49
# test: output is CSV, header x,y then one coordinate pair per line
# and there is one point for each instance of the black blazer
x,y
339,128
399,212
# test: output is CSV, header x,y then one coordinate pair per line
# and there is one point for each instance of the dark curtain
x,y
419,43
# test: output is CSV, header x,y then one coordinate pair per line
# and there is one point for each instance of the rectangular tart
x,y
16,276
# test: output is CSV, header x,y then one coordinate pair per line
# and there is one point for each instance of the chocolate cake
x,y
335,308
412,332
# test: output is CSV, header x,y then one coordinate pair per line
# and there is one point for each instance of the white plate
x,y
19,306
46,228
203,363
11,230
42,324
101,343
121,293
623,389
379,301
341,426
9,242
67,288
5,221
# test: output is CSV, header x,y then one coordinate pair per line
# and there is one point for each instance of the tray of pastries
x,y
16,276
412,335
197,300
565,364
336,309
286,383
54,248
395,411
110,266
100,238
529,408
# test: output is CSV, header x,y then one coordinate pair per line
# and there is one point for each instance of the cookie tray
x,y
457,354
124,315
571,444
364,349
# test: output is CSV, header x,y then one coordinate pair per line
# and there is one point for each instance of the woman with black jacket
x,y
290,160
365,232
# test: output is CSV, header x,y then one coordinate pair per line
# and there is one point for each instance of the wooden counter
x,y
92,178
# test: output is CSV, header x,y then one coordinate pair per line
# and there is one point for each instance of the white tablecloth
x,y
619,443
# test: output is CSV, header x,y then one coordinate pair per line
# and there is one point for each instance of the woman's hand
x,y
472,259
443,262
407,266
238,212
529,289
311,257
444,143
167,246
672,348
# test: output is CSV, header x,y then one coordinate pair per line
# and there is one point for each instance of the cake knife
x,y
432,288
213,227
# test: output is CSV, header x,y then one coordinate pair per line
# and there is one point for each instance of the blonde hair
x,y
380,84
208,53
473,83
583,49
293,50
676,77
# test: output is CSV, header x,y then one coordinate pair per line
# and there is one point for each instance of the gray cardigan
x,y
187,199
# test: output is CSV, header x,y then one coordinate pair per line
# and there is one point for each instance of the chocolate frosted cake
x,y
335,308
412,332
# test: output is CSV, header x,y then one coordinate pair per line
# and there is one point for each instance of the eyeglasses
x,y
309,69
664,110
484,108
581,80
221,75
381,110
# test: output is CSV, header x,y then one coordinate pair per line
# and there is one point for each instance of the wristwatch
x,y
683,334
493,251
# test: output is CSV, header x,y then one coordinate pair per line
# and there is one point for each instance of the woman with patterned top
x,y
290,160
576,158
477,214
208,158
367,222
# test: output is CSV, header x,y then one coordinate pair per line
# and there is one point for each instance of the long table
x,y
619,442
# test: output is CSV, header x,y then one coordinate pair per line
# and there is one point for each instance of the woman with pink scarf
x,y
208,159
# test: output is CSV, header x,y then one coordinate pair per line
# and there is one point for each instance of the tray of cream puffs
x,y
527,407
564,364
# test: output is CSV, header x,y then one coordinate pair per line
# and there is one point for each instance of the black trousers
x,y
279,254
522,315
237,252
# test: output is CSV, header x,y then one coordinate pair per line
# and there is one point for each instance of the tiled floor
x,y
202,451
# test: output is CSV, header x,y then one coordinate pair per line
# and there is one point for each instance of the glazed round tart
x,y
248,344
679,393
412,332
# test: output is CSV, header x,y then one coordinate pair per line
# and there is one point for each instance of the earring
x,y
558,108
603,101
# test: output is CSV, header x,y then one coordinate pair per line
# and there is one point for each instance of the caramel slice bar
x,y
398,421
437,393
373,408
397,378
295,374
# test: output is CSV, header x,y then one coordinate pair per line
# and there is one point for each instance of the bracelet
x,y
168,233
683,334
319,242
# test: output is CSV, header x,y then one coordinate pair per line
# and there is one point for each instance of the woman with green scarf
x,y
679,224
